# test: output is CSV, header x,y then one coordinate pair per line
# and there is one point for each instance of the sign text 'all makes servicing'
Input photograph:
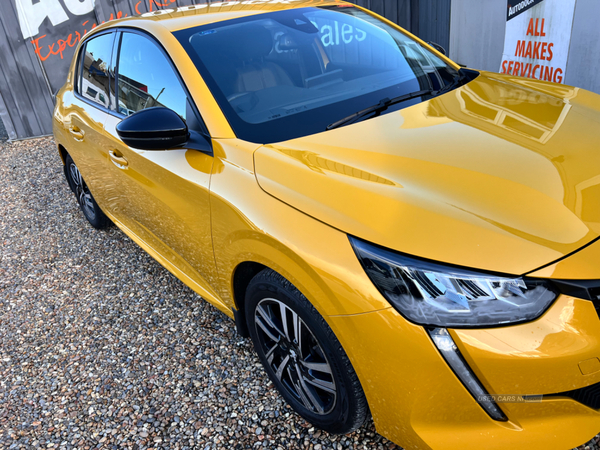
x,y
538,33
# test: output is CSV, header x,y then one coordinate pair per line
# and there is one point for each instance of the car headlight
x,y
433,294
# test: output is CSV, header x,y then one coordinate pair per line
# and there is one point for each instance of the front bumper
x,y
418,402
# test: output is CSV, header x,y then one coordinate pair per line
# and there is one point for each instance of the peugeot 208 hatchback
x,y
397,235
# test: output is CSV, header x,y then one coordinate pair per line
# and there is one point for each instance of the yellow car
x,y
399,236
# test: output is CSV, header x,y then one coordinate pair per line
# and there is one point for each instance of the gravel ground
x,y
100,347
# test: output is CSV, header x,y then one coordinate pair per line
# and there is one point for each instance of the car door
x,y
163,196
87,110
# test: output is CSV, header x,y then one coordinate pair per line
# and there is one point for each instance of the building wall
x,y
477,39
583,66
433,18
25,98
477,33
398,11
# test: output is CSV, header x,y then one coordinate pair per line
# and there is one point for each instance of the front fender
x,y
249,225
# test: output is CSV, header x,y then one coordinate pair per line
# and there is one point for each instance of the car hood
x,y
501,174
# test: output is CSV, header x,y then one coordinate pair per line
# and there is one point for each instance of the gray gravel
x,y
100,347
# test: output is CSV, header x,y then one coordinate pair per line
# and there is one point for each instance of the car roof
x,y
179,18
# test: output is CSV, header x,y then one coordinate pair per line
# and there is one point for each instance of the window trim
x,y
78,67
114,65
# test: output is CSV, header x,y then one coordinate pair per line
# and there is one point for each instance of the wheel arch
x,y
308,268
242,275
252,251
62,152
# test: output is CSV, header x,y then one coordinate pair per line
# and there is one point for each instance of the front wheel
x,y
302,356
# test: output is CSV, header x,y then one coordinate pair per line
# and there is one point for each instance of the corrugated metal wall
x,y
434,22
25,98
427,19
35,57
398,11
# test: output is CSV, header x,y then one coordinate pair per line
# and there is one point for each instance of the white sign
x,y
538,33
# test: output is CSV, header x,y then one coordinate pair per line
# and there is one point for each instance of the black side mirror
x,y
438,47
155,128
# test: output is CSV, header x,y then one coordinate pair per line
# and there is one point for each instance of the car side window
x,y
95,80
146,78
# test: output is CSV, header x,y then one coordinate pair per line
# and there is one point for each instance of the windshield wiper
x,y
378,108
462,77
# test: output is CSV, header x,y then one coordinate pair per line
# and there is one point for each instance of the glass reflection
x,y
554,124
146,78
95,77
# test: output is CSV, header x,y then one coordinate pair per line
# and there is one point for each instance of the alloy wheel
x,y
84,197
295,356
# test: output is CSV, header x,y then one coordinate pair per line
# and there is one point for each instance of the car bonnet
x,y
502,174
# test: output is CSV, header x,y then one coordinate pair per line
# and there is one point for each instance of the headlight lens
x,y
433,294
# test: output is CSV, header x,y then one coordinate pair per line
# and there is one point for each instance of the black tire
x,y
285,354
88,205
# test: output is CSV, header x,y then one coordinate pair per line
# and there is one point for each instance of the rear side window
x,y
95,80
146,78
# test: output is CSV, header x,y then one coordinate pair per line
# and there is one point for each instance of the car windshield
x,y
291,73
